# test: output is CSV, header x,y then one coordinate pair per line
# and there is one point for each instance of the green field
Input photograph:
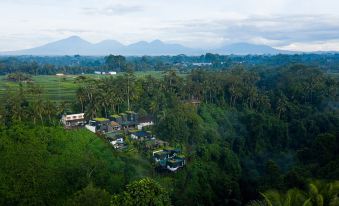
x,y
58,89
54,88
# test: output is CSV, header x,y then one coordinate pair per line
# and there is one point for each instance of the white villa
x,y
73,120
144,122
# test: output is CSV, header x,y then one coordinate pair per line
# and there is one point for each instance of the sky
x,y
299,25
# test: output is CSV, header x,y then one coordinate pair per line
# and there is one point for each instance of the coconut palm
x,y
257,203
281,106
319,193
323,194
81,97
291,198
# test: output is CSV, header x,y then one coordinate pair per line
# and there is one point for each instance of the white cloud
x,y
332,45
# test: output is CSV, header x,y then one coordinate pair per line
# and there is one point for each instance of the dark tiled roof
x,y
145,119
128,123
141,134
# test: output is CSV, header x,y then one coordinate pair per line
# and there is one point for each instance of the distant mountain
x,y
75,45
246,48
157,47
69,46
107,47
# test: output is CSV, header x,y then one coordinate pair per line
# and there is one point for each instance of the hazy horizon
x,y
282,24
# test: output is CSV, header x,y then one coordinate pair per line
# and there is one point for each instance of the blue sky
x,y
307,25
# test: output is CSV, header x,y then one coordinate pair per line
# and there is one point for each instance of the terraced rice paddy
x,y
56,89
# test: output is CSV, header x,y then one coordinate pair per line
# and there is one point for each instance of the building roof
x,y
161,154
128,123
130,112
145,119
71,115
75,120
74,117
175,160
141,134
115,115
115,124
100,119
113,134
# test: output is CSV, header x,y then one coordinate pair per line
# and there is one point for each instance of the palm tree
x,y
319,193
38,104
235,92
257,203
281,107
49,110
14,103
322,193
129,77
153,107
38,110
81,96
252,96
291,198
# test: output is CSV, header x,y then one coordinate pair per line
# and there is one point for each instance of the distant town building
x,y
202,64
99,72
105,73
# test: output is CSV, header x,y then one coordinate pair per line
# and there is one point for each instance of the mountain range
x,y
76,45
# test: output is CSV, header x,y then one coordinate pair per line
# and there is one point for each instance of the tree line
x,y
39,65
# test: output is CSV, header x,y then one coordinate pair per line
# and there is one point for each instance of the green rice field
x,y
58,89
54,88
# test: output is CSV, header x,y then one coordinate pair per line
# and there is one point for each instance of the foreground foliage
x,y
318,193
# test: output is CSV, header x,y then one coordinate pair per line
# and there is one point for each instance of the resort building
x,y
99,125
145,122
169,159
73,120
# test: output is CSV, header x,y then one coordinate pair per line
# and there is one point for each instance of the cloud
x,y
288,29
112,10
332,45
67,31
271,30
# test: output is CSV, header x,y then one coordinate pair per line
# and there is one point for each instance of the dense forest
x,y
256,130
50,65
